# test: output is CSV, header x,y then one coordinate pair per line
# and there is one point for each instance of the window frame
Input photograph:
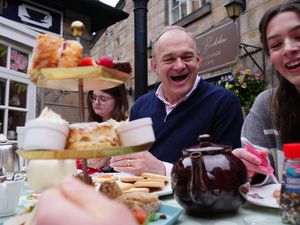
x,y
19,37
9,76
205,8
189,9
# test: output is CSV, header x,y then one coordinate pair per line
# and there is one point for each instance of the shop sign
x,y
219,47
37,17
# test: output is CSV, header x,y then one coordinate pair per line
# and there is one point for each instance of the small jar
x,y
290,190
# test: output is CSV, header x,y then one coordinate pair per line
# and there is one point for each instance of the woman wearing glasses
x,y
108,104
104,105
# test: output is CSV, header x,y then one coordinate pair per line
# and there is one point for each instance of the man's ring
x,y
128,163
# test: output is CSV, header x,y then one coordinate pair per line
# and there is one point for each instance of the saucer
x,y
8,213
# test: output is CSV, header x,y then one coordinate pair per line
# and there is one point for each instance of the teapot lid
x,y
205,144
205,140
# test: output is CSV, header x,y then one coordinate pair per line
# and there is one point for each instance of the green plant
x,y
246,84
21,88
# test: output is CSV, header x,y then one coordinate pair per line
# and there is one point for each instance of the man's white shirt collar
x,y
169,107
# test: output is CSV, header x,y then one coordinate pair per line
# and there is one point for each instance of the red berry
x,y
87,61
105,61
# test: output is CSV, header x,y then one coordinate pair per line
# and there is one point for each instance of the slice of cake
x,y
93,136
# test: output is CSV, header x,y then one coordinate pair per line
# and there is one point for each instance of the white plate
x,y
16,220
8,214
263,195
167,190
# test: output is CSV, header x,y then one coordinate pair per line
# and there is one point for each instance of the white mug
x,y
10,193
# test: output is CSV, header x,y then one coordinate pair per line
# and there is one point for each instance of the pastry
x,y
92,136
44,54
156,176
52,51
70,54
147,201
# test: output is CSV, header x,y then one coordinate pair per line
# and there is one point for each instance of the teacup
x,y
10,193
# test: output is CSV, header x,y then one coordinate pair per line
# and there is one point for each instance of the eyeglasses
x,y
101,98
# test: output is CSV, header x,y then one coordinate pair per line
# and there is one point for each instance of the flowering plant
x,y
246,84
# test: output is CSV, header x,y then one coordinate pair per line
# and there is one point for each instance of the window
x,y
178,9
3,55
18,60
17,94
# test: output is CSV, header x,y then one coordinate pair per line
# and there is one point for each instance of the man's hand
x,y
137,163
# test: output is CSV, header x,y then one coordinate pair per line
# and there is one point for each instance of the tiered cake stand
x,y
80,79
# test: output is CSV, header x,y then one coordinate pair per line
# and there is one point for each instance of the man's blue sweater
x,y
209,109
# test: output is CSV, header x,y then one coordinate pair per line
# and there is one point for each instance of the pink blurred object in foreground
x,y
255,150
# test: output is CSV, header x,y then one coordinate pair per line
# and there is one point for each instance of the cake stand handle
x,y
81,112
77,29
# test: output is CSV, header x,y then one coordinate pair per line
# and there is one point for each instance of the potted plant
x,y
246,84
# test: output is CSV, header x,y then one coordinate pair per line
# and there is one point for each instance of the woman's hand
x,y
76,203
251,161
137,163
98,162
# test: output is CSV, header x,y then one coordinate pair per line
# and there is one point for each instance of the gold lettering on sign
x,y
210,42
214,54
3,5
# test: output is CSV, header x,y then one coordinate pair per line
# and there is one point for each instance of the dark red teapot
x,y
208,179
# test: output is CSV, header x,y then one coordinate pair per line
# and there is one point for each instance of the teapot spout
x,y
198,186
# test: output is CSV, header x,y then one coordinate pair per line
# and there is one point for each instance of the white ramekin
x,y
136,132
43,134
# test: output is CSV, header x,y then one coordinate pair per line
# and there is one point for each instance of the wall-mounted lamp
x,y
234,8
149,49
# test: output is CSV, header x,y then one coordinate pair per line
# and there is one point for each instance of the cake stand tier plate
x,y
92,77
81,154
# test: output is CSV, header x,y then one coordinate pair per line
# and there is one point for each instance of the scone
x,y
52,51
70,54
44,54
92,136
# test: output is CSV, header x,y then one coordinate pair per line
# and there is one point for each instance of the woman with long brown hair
x,y
274,118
